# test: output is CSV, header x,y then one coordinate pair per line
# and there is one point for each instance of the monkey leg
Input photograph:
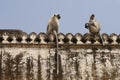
x,y
99,37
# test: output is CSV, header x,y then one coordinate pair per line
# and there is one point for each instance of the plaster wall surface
x,y
39,63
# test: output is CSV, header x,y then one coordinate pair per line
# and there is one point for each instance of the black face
x,y
86,25
58,16
92,16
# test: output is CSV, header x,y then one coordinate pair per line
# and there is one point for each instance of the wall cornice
x,y
62,46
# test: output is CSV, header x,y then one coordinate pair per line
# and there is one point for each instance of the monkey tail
x,y
57,51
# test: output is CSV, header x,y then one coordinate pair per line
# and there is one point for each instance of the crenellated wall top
x,y
18,36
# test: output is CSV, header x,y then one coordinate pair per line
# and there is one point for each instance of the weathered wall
x,y
19,63
33,57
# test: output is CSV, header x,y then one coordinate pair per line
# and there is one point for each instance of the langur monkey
x,y
52,28
94,27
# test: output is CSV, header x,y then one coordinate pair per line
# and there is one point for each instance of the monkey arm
x,y
92,23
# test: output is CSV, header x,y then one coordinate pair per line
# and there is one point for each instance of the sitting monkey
x,y
94,28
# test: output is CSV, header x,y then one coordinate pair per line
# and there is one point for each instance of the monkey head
x,y
92,17
58,16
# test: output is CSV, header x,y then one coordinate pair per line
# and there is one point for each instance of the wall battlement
x,y
33,56
18,36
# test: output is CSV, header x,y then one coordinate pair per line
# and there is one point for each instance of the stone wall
x,y
33,57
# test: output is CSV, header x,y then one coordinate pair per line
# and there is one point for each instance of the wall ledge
x,y
61,46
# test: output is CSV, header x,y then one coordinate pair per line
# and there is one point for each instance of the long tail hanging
x,y
57,52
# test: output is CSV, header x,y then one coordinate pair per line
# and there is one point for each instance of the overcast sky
x,y
32,15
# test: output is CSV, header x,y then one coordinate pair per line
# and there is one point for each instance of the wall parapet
x,y
16,36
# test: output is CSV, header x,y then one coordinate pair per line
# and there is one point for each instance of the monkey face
x,y
58,16
86,25
92,16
